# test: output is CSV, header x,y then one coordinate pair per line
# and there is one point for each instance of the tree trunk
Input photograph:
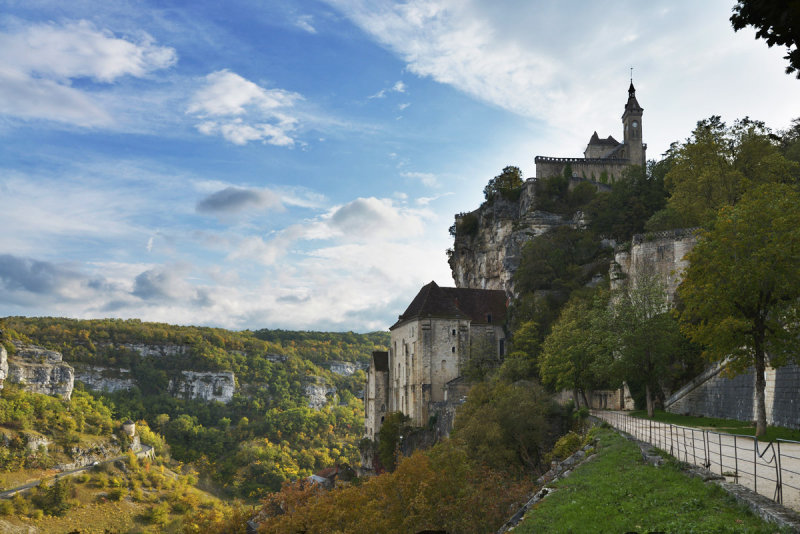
x,y
649,396
576,398
761,383
585,400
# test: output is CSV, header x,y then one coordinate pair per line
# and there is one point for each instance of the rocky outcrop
x,y
659,253
104,378
156,350
318,392
90,453
488,241
208,386
346,368
3,365
40,371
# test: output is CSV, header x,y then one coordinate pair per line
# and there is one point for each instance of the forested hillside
x,y
266,434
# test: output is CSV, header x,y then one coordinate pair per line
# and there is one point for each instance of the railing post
x,y
755,465
736,460
779,489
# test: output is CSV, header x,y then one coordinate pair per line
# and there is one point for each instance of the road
x,y
770,469
7,494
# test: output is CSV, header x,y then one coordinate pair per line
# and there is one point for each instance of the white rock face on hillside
x,y
40,370
3,365
208,386
346,368
101,378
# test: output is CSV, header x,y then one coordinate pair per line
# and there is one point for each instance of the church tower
x,y
632,129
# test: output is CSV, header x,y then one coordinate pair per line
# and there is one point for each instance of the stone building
x,y
431,343
604,160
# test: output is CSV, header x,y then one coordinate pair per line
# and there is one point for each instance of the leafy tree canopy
x,y
718,164
776,21
742,285
507,184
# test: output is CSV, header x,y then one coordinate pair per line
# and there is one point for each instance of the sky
x,y
297,165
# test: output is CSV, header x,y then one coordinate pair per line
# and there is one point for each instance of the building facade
x,y
604,160
431,344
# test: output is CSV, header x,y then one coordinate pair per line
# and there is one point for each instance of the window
x,y
502,347
489,318
454,331
453,350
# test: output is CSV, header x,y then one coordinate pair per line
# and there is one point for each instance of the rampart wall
x,y
714,394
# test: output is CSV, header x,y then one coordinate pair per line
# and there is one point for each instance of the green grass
x,y
618,492
728,426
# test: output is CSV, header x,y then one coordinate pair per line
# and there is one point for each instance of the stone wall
x,y
714,394
589,168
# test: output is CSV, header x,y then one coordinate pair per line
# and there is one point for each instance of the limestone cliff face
x,y
101,378
488,243
3,365
660,253
208,386
157,350
40,371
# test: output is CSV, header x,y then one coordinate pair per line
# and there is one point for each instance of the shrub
x,y
117,494
565,446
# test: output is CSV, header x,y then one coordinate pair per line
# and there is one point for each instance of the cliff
x,y
488,241
3,365
40,371
208,386
659,253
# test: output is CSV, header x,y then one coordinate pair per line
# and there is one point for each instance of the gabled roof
x,y
477,305
609,141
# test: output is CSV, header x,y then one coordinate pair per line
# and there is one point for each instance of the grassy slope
x,y
618,492
728,426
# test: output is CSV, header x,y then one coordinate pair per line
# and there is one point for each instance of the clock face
x,y
635,124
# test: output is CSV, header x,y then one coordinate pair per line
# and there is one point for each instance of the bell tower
x,y
632,129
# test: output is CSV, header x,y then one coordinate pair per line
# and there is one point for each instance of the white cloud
x,y
426,178
40,61
568,67
242,111
398,87
304,22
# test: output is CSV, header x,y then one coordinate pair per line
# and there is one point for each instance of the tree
x,y
507,184
776,21
647,334
576,355
742,286
718,164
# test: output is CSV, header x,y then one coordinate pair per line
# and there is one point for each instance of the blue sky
x,y
297,165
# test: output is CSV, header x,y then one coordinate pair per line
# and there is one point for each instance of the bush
x,y
117,494
6,507
467,225
565,446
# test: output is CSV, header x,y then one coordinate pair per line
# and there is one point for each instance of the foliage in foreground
x,y
618,492
465,484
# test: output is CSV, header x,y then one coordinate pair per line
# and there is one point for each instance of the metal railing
x,y
771,469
